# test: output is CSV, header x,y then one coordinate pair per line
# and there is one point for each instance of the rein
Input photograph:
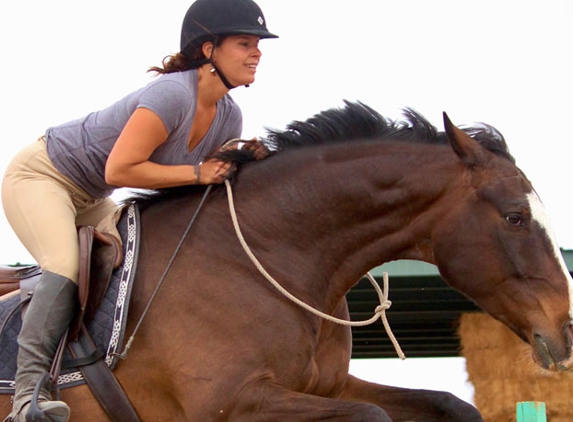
x,y
379,312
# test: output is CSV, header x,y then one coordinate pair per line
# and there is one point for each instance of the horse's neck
x,y
347,214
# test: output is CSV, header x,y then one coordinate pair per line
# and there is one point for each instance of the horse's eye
x,y
515,219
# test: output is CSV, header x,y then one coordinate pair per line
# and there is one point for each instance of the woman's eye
x,y
514,219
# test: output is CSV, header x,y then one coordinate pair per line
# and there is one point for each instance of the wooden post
x,y
531,411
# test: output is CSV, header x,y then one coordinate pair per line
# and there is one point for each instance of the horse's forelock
x,y
491,139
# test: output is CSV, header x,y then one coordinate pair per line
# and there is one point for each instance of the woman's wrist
x,y
197,173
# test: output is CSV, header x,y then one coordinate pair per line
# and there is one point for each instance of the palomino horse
x,y
346,191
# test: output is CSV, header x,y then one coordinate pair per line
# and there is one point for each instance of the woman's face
x,y
238,57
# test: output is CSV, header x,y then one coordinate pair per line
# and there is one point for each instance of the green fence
x,y
531,411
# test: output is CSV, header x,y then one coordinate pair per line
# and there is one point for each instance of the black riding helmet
x,y
208,20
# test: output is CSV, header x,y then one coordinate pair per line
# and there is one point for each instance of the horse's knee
x,y
369,413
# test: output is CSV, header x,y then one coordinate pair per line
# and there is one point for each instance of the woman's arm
x,y
128,164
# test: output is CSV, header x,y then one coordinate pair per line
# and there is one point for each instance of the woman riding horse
x,y
155,137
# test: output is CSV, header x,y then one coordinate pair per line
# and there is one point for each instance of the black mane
x,y
357,121
352,122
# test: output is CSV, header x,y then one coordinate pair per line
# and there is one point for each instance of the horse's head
x,y
496,246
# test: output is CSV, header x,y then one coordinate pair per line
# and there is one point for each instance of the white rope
x,y
379,312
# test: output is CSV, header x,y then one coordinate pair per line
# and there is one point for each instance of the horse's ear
x,y
467,148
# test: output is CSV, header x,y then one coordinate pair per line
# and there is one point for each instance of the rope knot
x,y
383,306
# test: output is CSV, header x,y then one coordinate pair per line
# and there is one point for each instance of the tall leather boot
x,y
49,314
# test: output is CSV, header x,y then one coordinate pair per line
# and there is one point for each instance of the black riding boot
x,y
48,316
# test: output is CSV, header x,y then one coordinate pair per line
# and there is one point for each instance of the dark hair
x,y
170,64
180,62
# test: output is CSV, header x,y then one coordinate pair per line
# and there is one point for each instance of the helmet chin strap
x,y
222,76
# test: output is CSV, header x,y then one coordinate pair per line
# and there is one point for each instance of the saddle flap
x,y
107,255
100,254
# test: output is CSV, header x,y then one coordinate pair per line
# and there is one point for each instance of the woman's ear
x,y
207,49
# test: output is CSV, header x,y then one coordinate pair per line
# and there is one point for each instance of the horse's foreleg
x,y
404,404
274,403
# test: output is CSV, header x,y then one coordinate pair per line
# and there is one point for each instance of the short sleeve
x,y
170,100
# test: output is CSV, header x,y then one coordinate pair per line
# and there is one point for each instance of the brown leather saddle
x,y
11,276
100,254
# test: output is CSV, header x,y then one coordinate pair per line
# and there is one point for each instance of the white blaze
x,y
539,214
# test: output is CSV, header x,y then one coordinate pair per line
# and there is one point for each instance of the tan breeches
x,y
44,207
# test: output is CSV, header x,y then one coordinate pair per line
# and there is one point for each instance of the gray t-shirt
x,y
79,149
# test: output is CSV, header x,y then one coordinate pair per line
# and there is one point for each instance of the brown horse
x,y
345,192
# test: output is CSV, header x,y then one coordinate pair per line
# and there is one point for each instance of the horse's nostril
x,y
569,333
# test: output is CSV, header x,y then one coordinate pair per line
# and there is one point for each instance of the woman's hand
x,y
213,172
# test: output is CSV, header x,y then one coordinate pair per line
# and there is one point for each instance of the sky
x,y
506,63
